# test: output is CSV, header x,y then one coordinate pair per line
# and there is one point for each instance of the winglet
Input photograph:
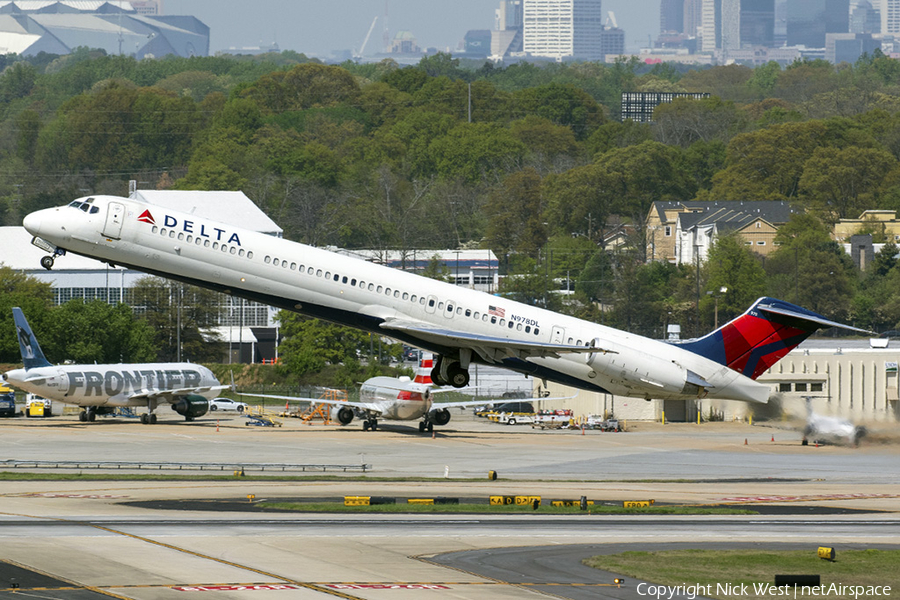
x,y
32,356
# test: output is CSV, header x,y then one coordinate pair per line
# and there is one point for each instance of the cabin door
x,y
115,213
558,336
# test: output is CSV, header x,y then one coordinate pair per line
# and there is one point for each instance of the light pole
x,y
722,290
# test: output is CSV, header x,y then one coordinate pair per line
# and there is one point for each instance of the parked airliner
x,y
396,399
99,389
458,325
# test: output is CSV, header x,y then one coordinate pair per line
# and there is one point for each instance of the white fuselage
x,y
408,402
354,292
111,385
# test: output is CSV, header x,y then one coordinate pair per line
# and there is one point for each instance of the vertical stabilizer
x,y
760,337
32,356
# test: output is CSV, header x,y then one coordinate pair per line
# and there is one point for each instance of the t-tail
x,y
760,337
32,356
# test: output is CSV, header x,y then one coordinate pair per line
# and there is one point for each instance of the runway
x,y
88,539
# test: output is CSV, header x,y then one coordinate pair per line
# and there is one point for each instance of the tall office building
x,y
809,20
506,38
890,16
671,16
692,17
732,24
865,18
563,29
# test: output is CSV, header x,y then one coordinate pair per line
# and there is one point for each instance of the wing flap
x,y
156,394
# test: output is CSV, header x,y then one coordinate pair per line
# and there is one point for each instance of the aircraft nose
x,y
32,223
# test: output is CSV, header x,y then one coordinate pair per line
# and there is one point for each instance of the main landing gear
x,y
149,417
450,372
89,414
426,426
370,424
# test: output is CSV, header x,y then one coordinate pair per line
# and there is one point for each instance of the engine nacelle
x,y
191,406
440,417
342,415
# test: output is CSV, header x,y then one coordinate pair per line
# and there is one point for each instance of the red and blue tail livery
x,y
760,337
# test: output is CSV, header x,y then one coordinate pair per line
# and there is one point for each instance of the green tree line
x,y
529,160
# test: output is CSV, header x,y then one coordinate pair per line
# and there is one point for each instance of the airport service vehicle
x,y
99,389
227,404
546,419
7,402
36,406
460,326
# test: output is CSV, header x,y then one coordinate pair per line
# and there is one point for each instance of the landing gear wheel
x,y
422,426
458,376
82,416
152,418
92,416
145,419
374,424
430,427
365,425
47,262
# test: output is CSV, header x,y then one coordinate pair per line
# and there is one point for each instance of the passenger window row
x,y
405,296
201,241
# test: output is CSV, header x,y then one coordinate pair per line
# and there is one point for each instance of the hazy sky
x,y
321,26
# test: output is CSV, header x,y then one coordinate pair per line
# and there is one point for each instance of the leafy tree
x,y
95,331
304,86
176,311
841,183
515,215
310,344
544,138
733,266
616,134
562,104
30,294
767,164
474,151
685,121
810,269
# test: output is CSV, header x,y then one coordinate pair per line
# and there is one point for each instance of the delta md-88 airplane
x,y
460,326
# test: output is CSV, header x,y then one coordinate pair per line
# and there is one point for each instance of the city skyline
x,y
323,28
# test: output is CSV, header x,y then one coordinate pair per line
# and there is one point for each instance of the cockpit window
x,y
94,210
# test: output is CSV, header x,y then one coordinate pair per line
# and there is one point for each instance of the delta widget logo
x,y
146,217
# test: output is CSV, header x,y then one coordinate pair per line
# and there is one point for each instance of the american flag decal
x,y
496,311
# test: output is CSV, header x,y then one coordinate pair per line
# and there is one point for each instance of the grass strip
x,y
746,574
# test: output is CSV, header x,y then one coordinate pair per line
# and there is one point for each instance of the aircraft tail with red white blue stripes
x,y
760,337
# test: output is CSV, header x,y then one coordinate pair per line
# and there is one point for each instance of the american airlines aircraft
x,y
99,389
397,399
460,326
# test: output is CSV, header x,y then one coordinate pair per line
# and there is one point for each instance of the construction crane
x,y
611,20
362,48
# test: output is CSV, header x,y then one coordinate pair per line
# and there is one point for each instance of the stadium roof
x,y
28,27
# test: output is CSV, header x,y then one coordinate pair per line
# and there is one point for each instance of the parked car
x,y
7,402
36,406
227,404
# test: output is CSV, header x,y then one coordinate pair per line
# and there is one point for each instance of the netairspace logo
x,y
760,590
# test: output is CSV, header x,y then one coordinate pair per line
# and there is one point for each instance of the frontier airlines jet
x,y
460,326
99,389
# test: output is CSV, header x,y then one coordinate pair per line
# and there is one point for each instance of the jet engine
x,y
191,406
343,415
440,417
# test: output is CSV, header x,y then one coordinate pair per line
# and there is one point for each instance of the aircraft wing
x,y
169,395
490,348
367,406
483,401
